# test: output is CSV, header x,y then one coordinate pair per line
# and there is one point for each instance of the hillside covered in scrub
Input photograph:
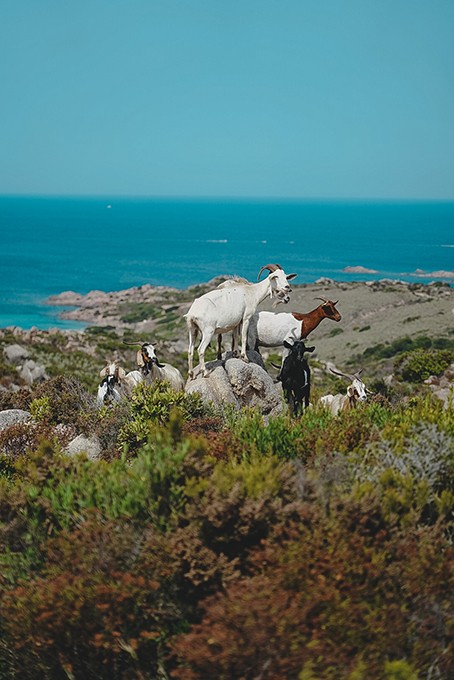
x,y
200,542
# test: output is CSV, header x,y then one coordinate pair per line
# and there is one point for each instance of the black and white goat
x,y
115,384
152,370
295,376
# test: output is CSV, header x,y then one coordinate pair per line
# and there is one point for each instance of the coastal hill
x,y
373,313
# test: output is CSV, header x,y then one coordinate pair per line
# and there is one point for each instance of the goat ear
x,y
160,365
350,391
289,277
103,373
287,345
310,349
121,373
140,361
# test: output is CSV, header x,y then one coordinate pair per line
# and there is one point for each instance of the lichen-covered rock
x,y
32,372
233,381
89,445
215,387
15,354
253,386
13,416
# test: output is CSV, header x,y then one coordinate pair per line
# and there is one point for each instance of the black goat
x,y
295,376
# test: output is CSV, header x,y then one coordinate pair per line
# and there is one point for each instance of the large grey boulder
x,y
215,387
13,416
15,354
82,444
32,372
233,381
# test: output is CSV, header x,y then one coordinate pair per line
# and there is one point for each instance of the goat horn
x,y
271,267
344,375
134,344
326,301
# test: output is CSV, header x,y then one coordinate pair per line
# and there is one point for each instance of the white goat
x,y
225,308
356,392
152,371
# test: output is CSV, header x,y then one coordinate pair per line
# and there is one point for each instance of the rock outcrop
x,y
89,445
233,381
13,416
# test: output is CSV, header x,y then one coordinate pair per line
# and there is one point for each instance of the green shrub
x,y
414,476
63,400
406,344
151,404
418,365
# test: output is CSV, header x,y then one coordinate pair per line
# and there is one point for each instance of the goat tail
x,y
192,326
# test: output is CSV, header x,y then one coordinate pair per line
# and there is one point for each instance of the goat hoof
x,y
245,358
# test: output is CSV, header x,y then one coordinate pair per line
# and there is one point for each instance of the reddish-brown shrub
x,y
332,595
101,608
16,440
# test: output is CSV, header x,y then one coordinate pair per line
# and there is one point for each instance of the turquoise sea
x,y
49,245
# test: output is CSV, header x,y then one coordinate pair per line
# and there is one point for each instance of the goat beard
x,y
278,301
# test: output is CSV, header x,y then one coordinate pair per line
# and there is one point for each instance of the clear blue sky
x,y
297,98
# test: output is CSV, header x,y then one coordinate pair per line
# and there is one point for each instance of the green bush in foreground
x,y
153,404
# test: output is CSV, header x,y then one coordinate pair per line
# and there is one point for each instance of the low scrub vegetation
x,y
208,543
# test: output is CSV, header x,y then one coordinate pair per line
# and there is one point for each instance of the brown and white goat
x,y
356,392
270,329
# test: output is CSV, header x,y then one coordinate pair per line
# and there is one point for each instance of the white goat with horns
x,y
225,308
356,392
152,371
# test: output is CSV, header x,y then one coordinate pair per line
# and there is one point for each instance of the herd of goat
x,y
232,308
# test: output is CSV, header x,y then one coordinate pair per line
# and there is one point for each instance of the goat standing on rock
x,y
225,308
295,376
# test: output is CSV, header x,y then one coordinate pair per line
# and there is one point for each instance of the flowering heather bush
x,y
101,607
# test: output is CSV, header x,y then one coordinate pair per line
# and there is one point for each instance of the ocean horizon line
x,y
232,198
